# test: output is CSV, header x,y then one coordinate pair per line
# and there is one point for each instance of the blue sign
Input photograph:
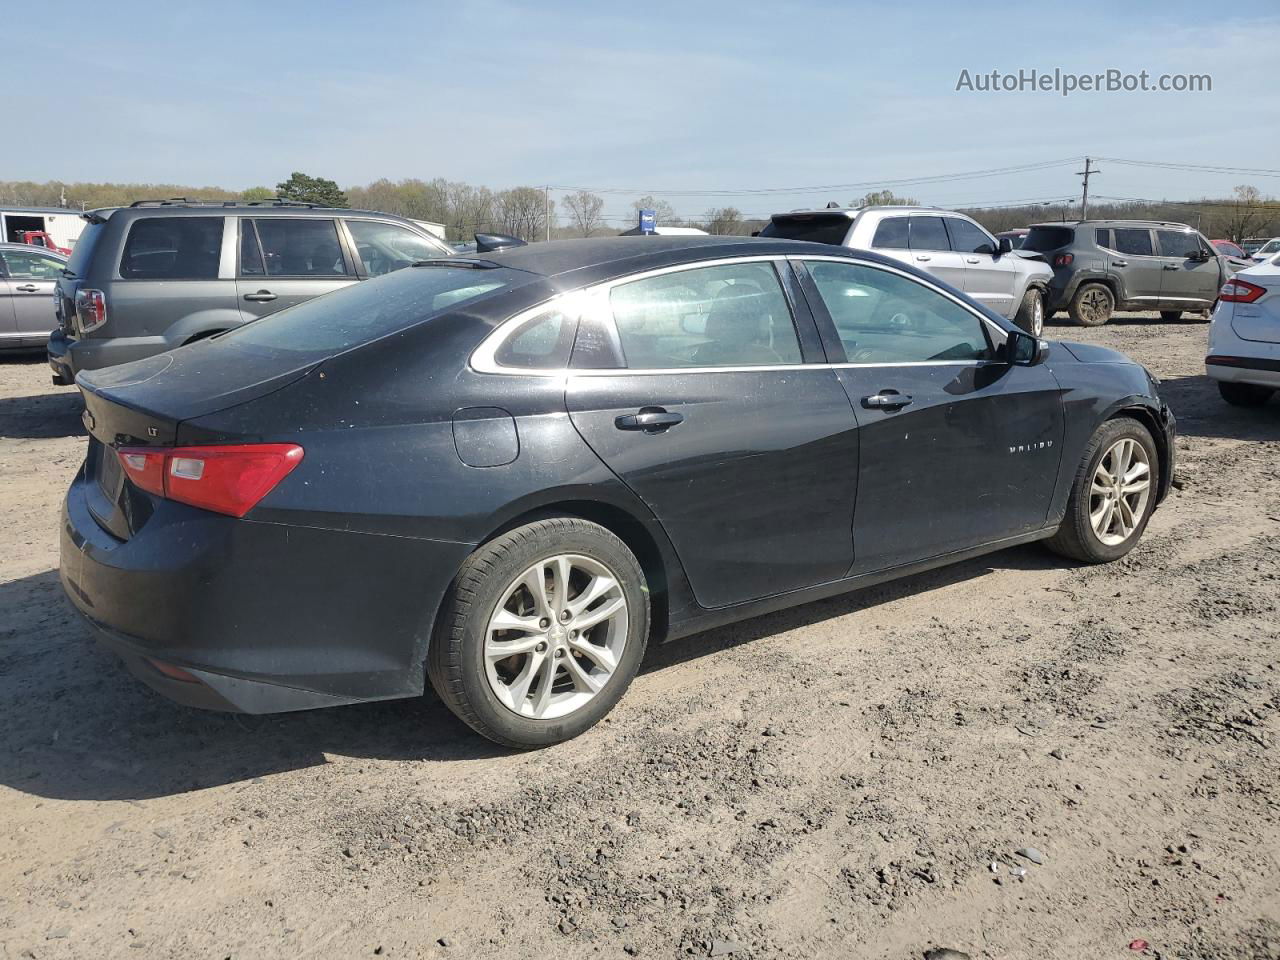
x,y
648,221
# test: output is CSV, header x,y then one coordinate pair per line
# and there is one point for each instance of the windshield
x,y
1272,246
814,227
1044,239
366,311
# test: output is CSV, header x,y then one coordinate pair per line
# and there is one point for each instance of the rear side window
x,y
891,234
173,248
1134,241
733,315
1103,237
883,317
365,311
829,228
929,233
968,238
1044,239
542,342
291,247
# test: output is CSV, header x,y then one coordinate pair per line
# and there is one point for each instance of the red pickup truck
x,y
39,238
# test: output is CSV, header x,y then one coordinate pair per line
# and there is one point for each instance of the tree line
x,y
531,213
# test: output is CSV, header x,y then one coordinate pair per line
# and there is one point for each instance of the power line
x,y
1196,167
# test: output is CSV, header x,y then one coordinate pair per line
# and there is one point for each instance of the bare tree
x,y
522,212
664,213
725,221
1246,216
884,198
584,212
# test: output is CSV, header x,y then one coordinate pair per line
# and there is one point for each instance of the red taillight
x,y
1236,290
230,479
91,308
1063,260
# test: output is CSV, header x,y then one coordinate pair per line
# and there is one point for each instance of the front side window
x,y
1136,242
32,266
929,233
968,237
291,247
733,315
173,248
1178,243
891,234
384,247
884,317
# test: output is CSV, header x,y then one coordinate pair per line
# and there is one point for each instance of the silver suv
x,y
161,273
946,244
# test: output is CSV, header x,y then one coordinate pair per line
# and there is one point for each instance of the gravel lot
x,y
831,781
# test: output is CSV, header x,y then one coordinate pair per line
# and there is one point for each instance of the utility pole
x,y
547,194
1084,198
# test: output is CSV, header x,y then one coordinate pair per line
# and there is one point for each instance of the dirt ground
x,y
836,780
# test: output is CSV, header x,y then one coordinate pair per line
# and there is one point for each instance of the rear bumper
x,y
71,355
1259,371
58,347
267,617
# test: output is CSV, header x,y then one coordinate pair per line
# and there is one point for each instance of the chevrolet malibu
x,y
509,472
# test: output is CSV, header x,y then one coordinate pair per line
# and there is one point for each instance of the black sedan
x,y
508,472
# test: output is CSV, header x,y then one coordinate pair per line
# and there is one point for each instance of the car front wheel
x,y
1030,315
1112,496
542,633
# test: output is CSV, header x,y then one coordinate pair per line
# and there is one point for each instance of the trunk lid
x,y
1259,321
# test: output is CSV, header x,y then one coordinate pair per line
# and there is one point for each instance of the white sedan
x,y
1267,251
1244,337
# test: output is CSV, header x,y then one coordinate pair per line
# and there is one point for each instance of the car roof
x,y
214,207
1131,223
852,212
556,257
32,246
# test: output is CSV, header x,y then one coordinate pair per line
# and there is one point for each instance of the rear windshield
x,y
82,251
366,311
816,228
1043,239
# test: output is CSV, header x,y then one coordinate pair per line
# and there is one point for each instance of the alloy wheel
x,y
1094,306
1120,491
556,637
1037,317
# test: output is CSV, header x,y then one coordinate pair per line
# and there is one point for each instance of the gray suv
x,y
1100,266
947,244
161,273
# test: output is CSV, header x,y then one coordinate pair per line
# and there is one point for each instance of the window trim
x,y
596,298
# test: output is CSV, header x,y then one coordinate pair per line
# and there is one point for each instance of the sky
x,y
697,101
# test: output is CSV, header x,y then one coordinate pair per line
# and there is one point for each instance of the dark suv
x,y
1100,266
161,273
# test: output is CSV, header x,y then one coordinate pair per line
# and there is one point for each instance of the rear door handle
x,y
1119,263
1173,266
887,400
924,258
972,260
262,296
27,288
649,419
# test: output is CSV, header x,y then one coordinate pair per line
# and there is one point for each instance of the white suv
x,y
1244,337
946,244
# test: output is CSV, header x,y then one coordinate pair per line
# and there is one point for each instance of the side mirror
x,y
1021,349
1006,246
1198,254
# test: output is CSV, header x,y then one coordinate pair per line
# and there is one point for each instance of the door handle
x,y
649,419
924,258
27,288
1173,266
1119,263
972,260
262,296
887,400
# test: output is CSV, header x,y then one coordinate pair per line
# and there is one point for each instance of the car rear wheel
x,y
1112,496
1170,316
543,631
1244,394
1030,315
1092,305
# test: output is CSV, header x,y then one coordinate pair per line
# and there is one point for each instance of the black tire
x,y
1244,394
455,661
1030,315
1075,537
1170,316
1092,305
